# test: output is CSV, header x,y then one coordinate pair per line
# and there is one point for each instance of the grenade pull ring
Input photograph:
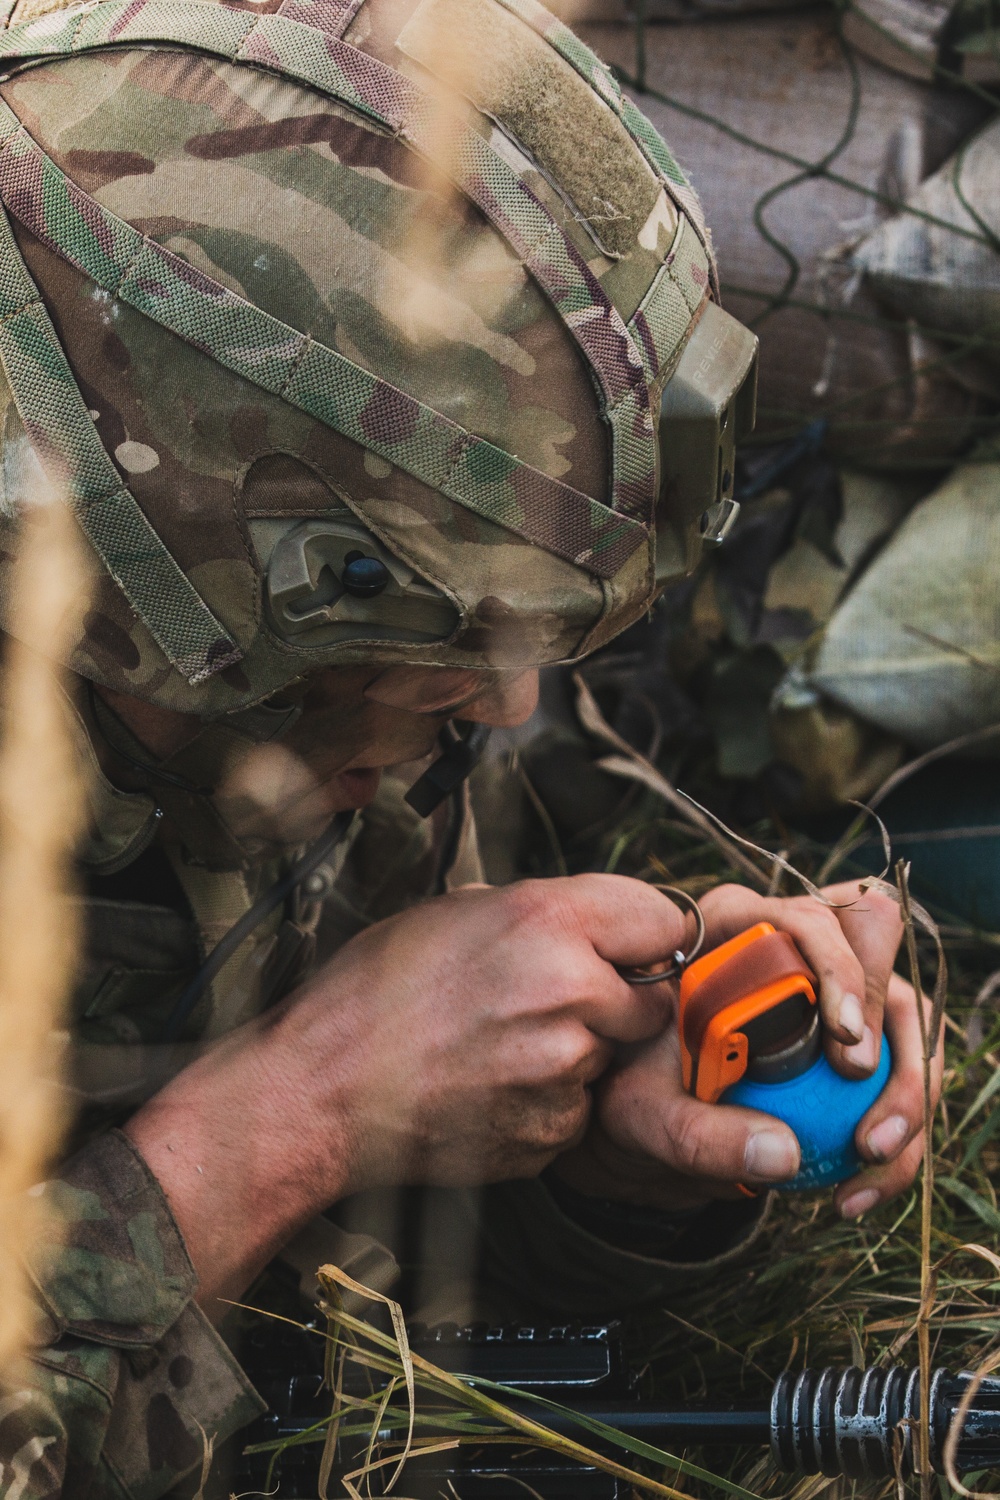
x,y
678,960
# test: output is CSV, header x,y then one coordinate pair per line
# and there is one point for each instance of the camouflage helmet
x,y
349,346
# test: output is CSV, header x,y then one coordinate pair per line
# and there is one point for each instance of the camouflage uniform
x,y
128,1374
262,268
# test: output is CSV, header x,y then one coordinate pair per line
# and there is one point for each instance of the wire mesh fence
x,y
874,291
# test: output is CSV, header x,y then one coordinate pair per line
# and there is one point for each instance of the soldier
x,y
353,375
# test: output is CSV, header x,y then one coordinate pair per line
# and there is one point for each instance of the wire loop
x,y
678,959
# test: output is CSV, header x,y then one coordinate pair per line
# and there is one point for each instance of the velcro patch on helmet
x,y
512,74
30,10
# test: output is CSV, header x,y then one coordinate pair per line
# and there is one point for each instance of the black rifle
x,y
854,1422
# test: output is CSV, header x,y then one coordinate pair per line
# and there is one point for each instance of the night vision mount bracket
x,y
330,580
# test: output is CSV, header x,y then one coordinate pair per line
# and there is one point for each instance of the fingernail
x,y
886,1137
859,1203
864,1054
851,1018
771,1153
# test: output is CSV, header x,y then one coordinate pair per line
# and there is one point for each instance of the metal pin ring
x,y
680,960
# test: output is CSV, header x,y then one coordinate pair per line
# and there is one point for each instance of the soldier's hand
x,y
850,945
651,1143
455,1042
466,1032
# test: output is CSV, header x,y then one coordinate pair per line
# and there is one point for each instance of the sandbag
x,y
785,82
948,39
806,583
574,12
921,37
837,756
946,279
915,646
903,34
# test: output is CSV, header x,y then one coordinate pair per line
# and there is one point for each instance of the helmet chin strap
x,y
224,949
460,754
459,757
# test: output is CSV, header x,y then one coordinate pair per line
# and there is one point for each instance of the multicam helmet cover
x,y
345,345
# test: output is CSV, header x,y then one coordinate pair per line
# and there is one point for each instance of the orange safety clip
x,y
746,995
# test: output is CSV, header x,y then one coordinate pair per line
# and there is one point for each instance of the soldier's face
x,y
354,723
334,755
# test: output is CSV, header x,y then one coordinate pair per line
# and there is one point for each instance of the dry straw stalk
x,y
40,813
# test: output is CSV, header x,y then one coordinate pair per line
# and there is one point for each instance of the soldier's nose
x,y
506,703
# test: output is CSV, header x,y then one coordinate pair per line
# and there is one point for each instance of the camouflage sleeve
x,y
128,1386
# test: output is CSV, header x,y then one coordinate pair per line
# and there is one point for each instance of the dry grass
x,y
915,1281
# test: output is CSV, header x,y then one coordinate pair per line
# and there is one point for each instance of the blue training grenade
x,y
750,1034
